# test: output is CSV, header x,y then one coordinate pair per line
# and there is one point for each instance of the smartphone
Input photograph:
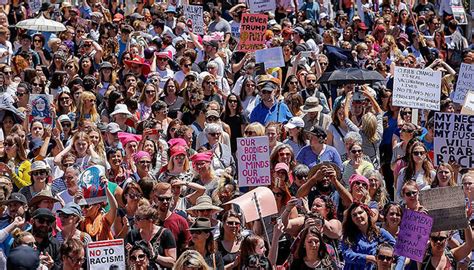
x,y
154,131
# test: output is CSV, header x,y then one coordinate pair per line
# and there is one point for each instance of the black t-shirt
x,y
421,9
235,123
214,259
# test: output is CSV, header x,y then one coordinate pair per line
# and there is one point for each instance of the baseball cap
x,y
299,30
16,197
295,122
71,208
212,113
44,213
113,127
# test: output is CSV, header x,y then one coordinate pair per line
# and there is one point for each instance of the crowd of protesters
x,y
160,108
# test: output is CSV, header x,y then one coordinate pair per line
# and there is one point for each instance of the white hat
x,y
121,108
113,127
295,122
64,117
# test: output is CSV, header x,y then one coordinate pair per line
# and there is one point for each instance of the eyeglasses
x,y
356,151
293,82
76,261
37,40
232,101
134,196
42,173
212,119
418,153
250,133
384,258
187,65
64,99
407,130
37,84
44,221
361,184
215,134
150,92
66,124
87,45
233,223
140,257
162,199
310,80
438,238
211,83
411,193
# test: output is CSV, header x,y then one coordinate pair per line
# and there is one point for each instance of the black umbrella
x,y
351,75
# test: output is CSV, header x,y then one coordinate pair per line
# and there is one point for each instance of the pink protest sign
x,y
266,202
253,158
415,230
252,32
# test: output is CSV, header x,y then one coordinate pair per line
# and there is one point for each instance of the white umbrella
x,y
41,24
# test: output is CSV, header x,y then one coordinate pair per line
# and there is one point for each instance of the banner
x,y
252,32
454,139
468,105
465,82
41,108
261,6
194,18
272,57
253,156
415,229
105,255
92,188
447,207
417,88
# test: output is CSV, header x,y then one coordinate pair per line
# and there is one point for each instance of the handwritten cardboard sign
x,y
41,108
468,105
105,255
416,88
195,18
446,206
266,203
272,57
415,229
464,83
252,32
261,6
453,140
253,156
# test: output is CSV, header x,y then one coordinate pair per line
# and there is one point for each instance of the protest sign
x,y
253,155
105,255
459,14
266,202
35,5
415,229
454,139
468,105
465,82
416,88
446,206
272,57
91,184
194,18
252,32
261,6
41,108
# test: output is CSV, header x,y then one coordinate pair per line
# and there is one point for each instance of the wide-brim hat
x,y
204,203
312,104
201,224
38,166
139,61
325,164
121,108
42,195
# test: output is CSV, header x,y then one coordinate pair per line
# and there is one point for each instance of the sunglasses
x,y
232,101
356,151
134,196
438,238
37,84
149,92
360,184
162,199
140,257
211,83
418,153
66,124
411,193
233,223
20,94
197,231
249,133
407,130
384,258
293,82
44,221
42,173
187,65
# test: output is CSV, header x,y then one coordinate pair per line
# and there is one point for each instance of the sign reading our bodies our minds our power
x,y
417,88
253,156
454,139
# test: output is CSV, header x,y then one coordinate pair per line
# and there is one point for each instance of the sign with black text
x,y
464,83
105,255
253,157
194,18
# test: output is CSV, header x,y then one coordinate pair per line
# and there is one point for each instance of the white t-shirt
x,y
164,76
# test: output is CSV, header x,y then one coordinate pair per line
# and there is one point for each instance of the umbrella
x,y
41,24
351,75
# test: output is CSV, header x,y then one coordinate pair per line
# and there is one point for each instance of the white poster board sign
x,y
253,156
459,14
465,83
272,57
261,6
468,105
417,88
194,17
105,255
453,140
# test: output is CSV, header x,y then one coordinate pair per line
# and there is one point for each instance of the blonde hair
x,y
18,236
191,258
369,127
94,116
256,127
186,165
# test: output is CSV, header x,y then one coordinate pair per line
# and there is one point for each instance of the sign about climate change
x,y
252,32
105,255
417,88
454,139
195,18
464,84
415,230
253,155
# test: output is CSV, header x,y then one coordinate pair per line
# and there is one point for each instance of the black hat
x,y
44,213
212,43
201,224
23,257
16,197
318,131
